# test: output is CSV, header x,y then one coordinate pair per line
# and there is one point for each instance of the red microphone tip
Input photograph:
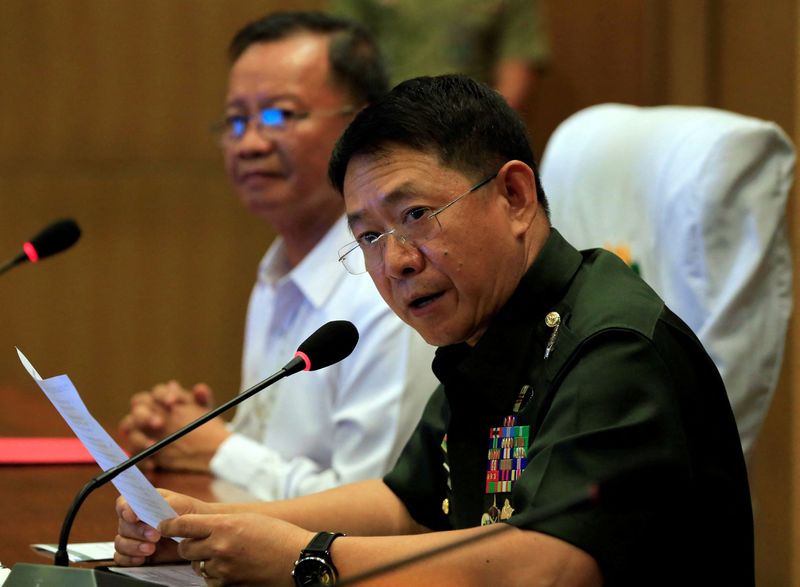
x,y
305,358
33,256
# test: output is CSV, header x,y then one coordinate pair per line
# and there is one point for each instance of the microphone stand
x,y
62,557
12,263
25,574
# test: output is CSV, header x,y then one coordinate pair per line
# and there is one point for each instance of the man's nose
x,y
401,257
255,140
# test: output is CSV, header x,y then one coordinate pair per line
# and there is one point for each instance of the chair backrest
x,y
695,200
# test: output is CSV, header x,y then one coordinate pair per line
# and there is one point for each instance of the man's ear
x,y
519,190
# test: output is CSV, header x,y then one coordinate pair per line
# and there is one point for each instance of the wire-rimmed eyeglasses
x,y
418,226
233,127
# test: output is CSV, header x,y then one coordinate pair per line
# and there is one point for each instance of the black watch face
x,y
313,571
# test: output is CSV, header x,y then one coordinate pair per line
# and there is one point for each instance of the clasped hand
x,y
165,409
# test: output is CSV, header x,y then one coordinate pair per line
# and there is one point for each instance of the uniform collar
x,y
317,275
494,366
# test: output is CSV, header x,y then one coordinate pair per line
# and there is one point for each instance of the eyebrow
x,y
400,194
266,103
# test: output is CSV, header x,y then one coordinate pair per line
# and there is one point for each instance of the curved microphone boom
x,y
331,343
56,237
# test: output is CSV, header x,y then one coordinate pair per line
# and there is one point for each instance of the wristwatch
x,y
315,567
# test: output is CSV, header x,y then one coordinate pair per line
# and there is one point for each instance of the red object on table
x,y
43,451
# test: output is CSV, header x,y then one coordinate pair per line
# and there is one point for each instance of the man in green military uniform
x,y
560,370
503,43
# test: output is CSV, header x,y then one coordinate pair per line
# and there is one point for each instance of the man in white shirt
x,y
295,83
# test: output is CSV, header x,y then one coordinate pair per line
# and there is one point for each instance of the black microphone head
x,y
331,343
60,235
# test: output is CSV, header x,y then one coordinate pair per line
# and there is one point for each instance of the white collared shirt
x,y
319,429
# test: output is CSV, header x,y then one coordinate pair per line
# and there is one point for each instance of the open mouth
x,y
423,301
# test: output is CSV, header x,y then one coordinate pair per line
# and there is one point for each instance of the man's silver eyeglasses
x,y
417,226
234,126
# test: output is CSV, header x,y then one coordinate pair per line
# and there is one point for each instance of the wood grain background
x,y
104,113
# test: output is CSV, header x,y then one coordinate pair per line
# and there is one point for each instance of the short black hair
x,y
466,124
356,63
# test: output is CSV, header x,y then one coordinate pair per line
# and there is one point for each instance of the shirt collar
x,y
503,353
317,275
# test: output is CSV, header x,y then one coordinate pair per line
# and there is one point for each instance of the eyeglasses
x,y
419,225
233,127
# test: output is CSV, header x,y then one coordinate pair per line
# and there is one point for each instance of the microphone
x,y
331,343
58,236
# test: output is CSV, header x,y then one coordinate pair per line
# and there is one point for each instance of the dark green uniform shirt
x,y
626,394
420,37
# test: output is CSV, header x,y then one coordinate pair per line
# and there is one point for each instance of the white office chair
x,y
695,200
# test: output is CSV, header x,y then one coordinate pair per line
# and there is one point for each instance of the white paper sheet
x,y
143,498
80,552
170,575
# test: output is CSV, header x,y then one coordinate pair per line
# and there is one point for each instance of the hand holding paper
x,y
143,498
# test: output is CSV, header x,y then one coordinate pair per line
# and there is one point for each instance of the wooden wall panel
x,y
681,39
107,105
599,52
791,437
156,287
754,57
